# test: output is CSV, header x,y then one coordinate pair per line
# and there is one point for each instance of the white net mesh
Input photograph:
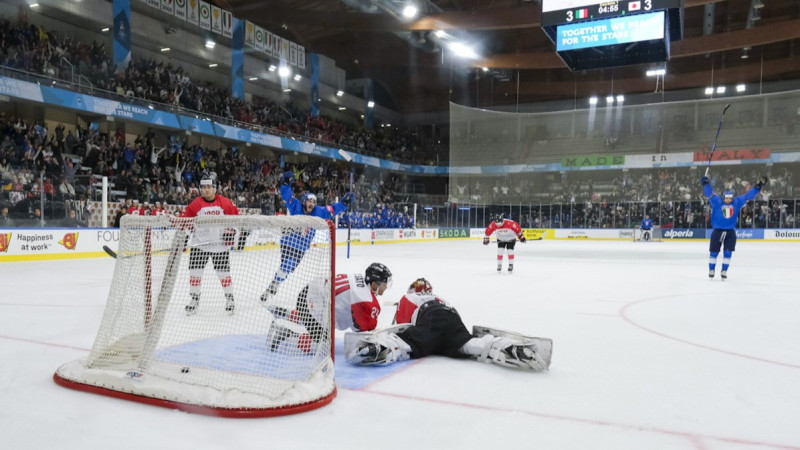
x,y
226,350
654,235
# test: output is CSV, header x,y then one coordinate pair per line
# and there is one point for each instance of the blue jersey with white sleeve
x,y
302,240
724,216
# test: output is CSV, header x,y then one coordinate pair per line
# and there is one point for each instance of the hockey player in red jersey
x,y
428,325
210,242
357,306
507,231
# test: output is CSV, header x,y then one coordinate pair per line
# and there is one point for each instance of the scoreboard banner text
x,y
618,30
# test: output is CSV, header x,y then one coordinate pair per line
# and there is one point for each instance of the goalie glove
x,y
761,182
486,240
379,349
522,238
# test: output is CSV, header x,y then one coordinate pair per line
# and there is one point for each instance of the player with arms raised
x,y
295,243
724,214
507,231
433,327
210,242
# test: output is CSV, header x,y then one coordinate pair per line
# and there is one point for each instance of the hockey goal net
x,y
653,235
214,360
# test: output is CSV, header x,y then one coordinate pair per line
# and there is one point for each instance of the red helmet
x,y
420,286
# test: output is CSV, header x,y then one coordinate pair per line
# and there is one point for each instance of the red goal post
x,y
149,350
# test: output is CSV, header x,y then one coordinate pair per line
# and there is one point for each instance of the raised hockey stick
x,y
110,252
348,158
719,128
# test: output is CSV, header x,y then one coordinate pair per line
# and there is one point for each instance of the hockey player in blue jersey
x,y
647,227
294,243
724,214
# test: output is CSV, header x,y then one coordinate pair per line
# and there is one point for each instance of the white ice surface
x,y
648,354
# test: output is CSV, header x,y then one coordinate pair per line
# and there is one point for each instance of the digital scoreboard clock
x,y
592,34
558,12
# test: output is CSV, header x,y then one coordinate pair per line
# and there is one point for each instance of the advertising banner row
x,y
82,102
17,244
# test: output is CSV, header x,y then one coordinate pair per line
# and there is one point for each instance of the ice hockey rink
x,y
648,354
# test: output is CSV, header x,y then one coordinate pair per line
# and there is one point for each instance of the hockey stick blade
x,y
110,252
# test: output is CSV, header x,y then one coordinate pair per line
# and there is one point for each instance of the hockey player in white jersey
x,y
427,325
507,231
356,303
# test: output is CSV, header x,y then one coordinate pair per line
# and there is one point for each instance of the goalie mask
x,y
420,286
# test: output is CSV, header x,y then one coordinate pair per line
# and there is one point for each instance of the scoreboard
x,y
592,34
557,12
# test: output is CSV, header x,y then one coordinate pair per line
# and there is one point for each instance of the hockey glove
x,y
522,238
486,241
288,178
761,182
348,198
704,181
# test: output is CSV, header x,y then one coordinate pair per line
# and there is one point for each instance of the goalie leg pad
x,y
510,349
381,348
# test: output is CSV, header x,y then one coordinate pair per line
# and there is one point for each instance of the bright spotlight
x,y
210,44
709,90
339,93
463,51
370,104
610,99
721,90
253,78
284,72
439,33
272,68
592,100
297,77
620,99
410,11
740,88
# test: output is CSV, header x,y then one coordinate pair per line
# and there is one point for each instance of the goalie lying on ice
x,y
429,326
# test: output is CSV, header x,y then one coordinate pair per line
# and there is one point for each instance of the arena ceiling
x,y
725,42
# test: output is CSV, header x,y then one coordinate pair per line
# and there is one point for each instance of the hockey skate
x,y
229,303
510,268
191,308
724,275
499,267
711,273
269,293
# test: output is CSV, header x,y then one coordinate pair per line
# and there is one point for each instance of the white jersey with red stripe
x,y
506,232
210,238
357,307
409,306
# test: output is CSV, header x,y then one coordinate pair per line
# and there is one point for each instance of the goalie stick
x,y
719,128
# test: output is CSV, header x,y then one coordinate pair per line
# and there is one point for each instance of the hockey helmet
x,y
379,273
499,218
308,196
727,194
208,179
420,286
